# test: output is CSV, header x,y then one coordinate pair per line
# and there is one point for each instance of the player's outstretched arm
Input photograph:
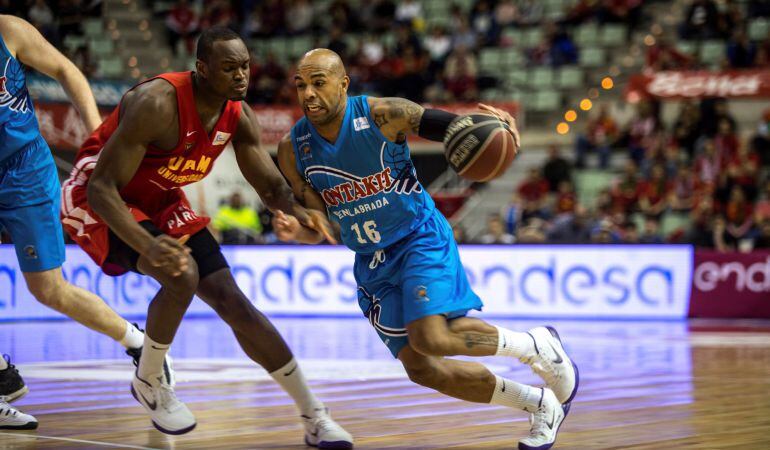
x,y
260,171
146,112
398,118
286,228
31,48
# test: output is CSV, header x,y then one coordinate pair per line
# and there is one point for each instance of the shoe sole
x,y
26,426
546,446
160,428
333,445
13,396
555,334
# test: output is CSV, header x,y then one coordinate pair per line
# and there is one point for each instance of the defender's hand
x,y
320,223
285,226
169,254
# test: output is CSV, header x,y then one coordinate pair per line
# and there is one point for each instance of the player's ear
x,y
345,83
201,68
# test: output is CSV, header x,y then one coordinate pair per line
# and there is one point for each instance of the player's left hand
x,y
507,118
286,226
319,222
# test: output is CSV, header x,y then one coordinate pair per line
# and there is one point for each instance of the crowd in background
x,y
698,170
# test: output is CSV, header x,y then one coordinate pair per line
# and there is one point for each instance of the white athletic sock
x,y
151,362
292,381
516,395
3,363
513,343
133,337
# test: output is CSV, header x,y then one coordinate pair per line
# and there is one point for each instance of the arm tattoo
x,y
303,192
405,113
476,340
380,120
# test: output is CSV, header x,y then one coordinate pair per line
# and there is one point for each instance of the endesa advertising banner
x,y
518,281
731,285
697,84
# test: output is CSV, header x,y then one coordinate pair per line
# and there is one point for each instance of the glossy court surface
x,y
644,385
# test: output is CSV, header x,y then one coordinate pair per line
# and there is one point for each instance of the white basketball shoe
x,y
13,419
552,364
545,422
323,432
158,398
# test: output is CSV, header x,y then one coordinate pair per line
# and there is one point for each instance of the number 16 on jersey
x,y
370,230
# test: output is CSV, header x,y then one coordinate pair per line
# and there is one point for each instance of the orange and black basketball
x,y
479,147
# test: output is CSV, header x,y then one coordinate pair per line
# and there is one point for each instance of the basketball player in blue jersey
x,y
348,156
30,199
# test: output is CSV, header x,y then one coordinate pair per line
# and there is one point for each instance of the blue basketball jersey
x,y
369,183
18,124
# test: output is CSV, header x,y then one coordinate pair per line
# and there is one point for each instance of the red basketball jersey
x,y
154,193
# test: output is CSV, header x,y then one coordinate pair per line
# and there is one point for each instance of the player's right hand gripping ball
x,y
479,147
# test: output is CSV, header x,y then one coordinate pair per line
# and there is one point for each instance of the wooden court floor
x,y
707,388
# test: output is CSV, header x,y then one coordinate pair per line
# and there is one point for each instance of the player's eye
x,y
319,83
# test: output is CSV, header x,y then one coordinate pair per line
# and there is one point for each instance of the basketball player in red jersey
x,y
123,204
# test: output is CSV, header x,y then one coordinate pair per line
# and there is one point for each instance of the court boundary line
x,y
82,441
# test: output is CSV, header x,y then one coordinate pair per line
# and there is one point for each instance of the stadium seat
x,y
93,27
515,36
587,35
532,37
588,184
73,41
687,47
112,67
516,77
614,35
513,59
102,47
592,57
570,77
544,101
759,29
491,60
712,52
541,77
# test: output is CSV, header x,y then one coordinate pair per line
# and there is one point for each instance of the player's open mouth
x,y
313,108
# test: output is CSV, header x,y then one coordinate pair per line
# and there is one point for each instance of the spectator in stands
x,y
237,223
604,233
701,20
13,8
300,17
762,238
630,233
566,198
651,232
738,214
655,192
686,129
506,13
758,8
408,80
511,214
532,232
438,44
664,56
181,24
337,42
712,112
628,12
702,220
760,142
530,12
409,12
383,13
459,234
84,61
483,23
41,17
743,170
266,79
70,16
740,51
460,74
496,233
685,189
762,210
533,192
464,36
581,11
562,50
601,132
625,191
343,15
726,141
556,168
218,13
642,132
707,163
720,239
572,228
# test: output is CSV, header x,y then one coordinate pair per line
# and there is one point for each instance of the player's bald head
x,y
322,59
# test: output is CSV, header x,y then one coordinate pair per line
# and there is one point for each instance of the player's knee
x,y
427,375
51,294
235,309
184,285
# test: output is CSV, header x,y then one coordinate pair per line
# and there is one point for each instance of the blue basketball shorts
x,y
418,276
30,198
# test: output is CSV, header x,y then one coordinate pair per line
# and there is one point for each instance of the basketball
x,y
479,147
